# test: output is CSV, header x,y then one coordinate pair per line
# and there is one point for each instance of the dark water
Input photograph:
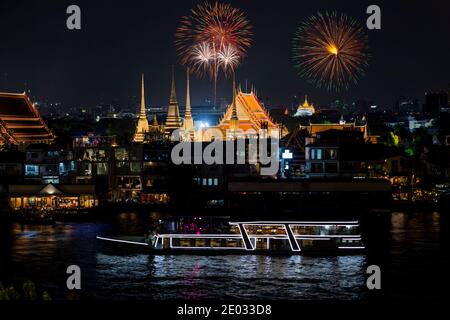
x,y
414,260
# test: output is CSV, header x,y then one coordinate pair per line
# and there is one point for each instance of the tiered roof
x,y
250,113
20,121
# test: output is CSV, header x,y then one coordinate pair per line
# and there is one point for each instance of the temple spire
x,y
188,120
234,120
142,125
155,121
173,92
143,112
173,120
188,97
234,115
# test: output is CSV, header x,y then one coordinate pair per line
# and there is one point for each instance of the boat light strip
x,y
256,236
289,230
123,241
314,223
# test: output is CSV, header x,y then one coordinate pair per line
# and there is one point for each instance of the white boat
x,y
258,237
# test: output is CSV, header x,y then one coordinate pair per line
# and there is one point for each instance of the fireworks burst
x,y
330,51
202,57
214,37
228,59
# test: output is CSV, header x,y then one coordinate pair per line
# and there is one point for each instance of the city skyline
x,y
70,66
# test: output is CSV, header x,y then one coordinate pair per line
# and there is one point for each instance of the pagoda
x,y
173,120
142,127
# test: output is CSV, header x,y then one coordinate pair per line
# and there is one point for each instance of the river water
x,y
413,255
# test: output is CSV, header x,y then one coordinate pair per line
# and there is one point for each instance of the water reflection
x,y
414,261
241,277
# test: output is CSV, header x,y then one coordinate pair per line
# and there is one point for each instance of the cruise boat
x,y
255,237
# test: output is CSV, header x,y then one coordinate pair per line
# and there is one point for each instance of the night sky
x,y
119,40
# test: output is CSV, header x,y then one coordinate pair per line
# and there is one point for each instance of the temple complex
x,y
245,114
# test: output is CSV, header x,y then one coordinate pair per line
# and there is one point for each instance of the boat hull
x,y
124,245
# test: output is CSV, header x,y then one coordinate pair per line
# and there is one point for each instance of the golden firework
x,y
330,50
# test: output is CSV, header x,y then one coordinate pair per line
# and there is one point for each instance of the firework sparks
x,y
228,59
330,51
202,57
217,31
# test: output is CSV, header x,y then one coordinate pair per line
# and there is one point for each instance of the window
x,y
86,169
316,168
50,179
135,167
330,154
331,168
31,170
121,165
102,169
122,154
316,154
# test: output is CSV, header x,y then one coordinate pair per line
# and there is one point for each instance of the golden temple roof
x,y
250,112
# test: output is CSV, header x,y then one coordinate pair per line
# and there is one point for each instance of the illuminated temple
x,y
20,121
245,114
173,120
305,110
143,128
142,125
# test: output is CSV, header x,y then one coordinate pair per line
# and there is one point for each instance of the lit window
x,y
31,170
316,154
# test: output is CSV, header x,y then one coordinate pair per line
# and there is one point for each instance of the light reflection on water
x,y
225,277
414,259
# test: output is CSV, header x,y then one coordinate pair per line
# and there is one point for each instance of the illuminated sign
x,y
287,154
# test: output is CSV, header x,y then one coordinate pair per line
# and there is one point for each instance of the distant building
x,y
343,153
414,124
434,101
57,198
20,122
305,110
406,105
316,128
